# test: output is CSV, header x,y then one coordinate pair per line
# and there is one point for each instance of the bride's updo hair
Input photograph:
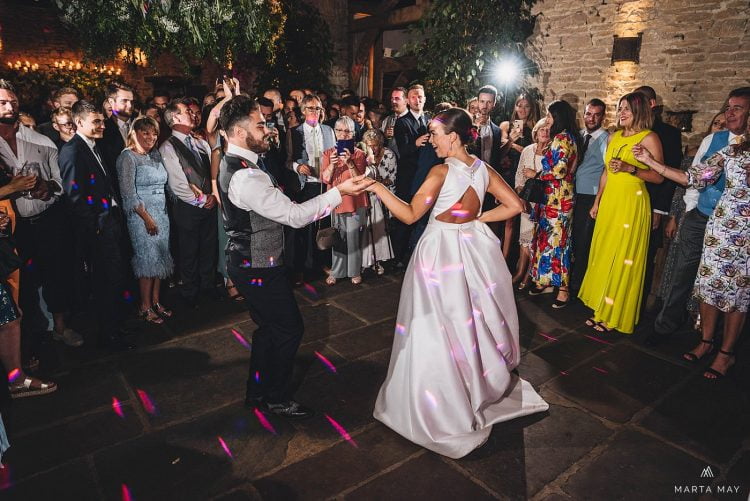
x,y
459,121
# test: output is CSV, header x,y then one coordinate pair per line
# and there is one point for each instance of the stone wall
x,y
693,52
336,14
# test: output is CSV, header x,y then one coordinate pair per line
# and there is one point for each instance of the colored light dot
x,y
628,262
626,225
609,300
639,192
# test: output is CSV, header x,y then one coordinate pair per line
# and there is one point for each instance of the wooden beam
x,y
362,51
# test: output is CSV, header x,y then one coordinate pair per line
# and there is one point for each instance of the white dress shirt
x,y
177,180
691,194
253,190
33,147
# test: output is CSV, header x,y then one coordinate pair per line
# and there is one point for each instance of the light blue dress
x,y
142,182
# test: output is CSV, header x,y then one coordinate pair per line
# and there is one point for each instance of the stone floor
x,y
625,422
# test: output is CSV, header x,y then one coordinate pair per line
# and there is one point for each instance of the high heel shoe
x,y
717,374
559,303
692,357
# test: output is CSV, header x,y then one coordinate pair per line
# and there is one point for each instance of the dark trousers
x,y
673,312
107,254
45,247
306,254
198,241
583,232
655,242
275,342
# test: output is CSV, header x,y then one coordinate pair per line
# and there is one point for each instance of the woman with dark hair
x,y
613,284
515,136
142,179
550,254
456,346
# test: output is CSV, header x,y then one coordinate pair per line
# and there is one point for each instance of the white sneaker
x,y
69,337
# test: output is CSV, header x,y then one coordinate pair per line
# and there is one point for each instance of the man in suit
x,y
411,135
661,194
116,128
399,108
98,221
488,144
187,161
254,217
309,141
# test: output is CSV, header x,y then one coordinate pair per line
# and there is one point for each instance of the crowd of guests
x,y
107,195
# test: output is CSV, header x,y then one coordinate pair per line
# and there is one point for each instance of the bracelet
x,y
663,171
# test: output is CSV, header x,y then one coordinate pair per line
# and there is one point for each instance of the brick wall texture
x,y
693,52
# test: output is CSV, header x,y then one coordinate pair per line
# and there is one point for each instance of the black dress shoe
x,y
290,409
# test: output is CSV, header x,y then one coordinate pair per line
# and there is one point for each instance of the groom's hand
x,y
355,185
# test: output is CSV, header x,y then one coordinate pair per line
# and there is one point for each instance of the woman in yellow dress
x,y
613,284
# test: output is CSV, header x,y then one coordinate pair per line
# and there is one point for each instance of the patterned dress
x,y
723,277
550,257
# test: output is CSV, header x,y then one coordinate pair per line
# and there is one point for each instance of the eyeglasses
x,y
66,125
343,131
313,108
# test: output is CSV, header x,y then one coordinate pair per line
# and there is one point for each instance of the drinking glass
x,y
5,232
30,169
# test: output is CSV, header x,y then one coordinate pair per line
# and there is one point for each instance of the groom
x,y
255,212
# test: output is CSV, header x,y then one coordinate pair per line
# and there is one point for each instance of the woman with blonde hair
x,y
613,284
142,179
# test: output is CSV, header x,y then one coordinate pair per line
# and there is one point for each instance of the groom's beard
x,y
9,120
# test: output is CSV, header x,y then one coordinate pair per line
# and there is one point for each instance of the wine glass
x,y
30,169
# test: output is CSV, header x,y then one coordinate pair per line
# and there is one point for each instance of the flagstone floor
x,y
625,421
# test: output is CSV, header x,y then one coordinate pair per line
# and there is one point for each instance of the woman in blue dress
x,y
142,179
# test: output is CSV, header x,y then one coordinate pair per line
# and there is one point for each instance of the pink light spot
x,y
564,373
598,340
547,336
599,369
263,421
257,376
484,374
453,267
470,321
428,200
125,491
13,375
117,407
341,430
148,404
431,399
225,447
240,338
460,213
310,289
326,362
401,329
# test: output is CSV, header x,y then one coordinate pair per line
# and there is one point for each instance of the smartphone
x,y
518,125
344,144
271,125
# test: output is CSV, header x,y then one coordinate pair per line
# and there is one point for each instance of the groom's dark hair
x,y
236,111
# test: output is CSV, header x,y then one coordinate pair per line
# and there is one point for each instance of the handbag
x,y
533,190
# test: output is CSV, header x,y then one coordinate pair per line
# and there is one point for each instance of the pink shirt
x,y
340,174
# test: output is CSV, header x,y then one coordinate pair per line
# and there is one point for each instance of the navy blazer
x,y
671,144
89,189
406,131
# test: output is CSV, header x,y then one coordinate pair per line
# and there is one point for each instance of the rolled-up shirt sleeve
x,y
252,190
176,179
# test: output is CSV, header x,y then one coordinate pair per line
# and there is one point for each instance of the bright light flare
x,y
240,338
507,71
225,447
117,407
148,404
326,362
341,430
263,421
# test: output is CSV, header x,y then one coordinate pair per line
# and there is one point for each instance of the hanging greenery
x,y
462,45
190,29
303,53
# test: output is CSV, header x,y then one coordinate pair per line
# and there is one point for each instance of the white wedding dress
x,y
456,341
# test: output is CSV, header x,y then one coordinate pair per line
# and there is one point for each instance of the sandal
x,y
559,303
692,357
602,327
235,296
357,280
330,281
716,374
161,310
535,291
25,388
591,322
151,317
379,269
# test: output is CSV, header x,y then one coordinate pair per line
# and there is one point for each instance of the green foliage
x,y
460,44
302,55
190,29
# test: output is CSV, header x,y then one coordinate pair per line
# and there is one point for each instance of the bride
x,y
456,343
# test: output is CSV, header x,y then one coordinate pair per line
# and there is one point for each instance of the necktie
x,y
486,142
316,148
262,166
193,148
98,155
586,141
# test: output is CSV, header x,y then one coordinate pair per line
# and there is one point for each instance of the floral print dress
x,y
723,277
550,256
